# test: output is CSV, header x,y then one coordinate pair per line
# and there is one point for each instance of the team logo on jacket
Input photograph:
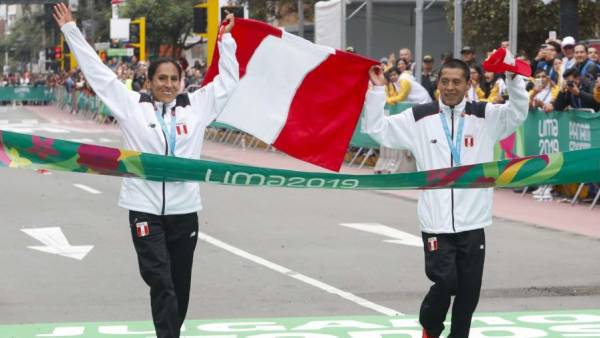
x,y
142,229
469,141
432,244
182,129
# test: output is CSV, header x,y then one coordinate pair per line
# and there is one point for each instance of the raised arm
x,y
222,86
503,119
390,131
101,78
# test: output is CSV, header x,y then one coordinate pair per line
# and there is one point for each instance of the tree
x,y
275,10
166,22
485,22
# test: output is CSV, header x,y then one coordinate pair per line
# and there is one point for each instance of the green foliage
x,y
166,22
485,22
266,10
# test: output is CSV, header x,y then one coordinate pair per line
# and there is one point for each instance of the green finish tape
x,y
34,152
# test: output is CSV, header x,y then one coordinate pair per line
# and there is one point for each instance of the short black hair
x,y
156,63
582,44
456,64
571,71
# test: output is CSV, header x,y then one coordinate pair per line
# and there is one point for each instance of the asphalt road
x,y
263,253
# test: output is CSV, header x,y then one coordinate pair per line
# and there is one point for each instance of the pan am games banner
x,y
35,152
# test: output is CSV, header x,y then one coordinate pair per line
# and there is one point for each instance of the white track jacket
x,y
136,114
420,130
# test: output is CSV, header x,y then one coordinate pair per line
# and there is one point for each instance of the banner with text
x,y
34,152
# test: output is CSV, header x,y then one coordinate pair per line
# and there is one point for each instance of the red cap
x,y
501,60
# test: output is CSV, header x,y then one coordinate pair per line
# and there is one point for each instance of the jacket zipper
x,y
452,165
164,198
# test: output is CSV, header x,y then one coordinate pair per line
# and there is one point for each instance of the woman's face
x,y
557,64
474,75
394,77
489,76
401,65
166,83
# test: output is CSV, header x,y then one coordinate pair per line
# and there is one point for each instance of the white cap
x,y
567,41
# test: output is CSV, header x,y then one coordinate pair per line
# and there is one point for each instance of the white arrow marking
x,y
399,237
56,243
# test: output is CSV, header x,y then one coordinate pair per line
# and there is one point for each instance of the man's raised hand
x,y
376,75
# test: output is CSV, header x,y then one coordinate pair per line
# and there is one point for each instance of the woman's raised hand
x,y
230,22
62,14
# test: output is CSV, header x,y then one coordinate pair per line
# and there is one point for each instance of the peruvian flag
x,y
302,98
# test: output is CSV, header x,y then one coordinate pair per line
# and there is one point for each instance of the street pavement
x,y
270,262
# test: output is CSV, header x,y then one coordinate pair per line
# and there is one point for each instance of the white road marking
x,y
399,237
3,121
298,276
56,243
30,121
55,130
86,188
107,140
82,140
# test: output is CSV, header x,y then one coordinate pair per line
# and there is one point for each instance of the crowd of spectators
x,y
565,74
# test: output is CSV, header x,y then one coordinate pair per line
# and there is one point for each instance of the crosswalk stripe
x,y
3,121
30,121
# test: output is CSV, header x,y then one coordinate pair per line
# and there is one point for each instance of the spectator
x,y
384,64
575,93
408,89
139,77
69,83
586,67
556,71
475,92
488,86
468,55
596,90
428,77
593,54
505,44
568,48
548,54
406,55
543,92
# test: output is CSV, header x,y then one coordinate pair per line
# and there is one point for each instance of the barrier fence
x,y
37,94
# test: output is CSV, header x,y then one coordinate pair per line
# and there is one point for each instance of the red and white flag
x,y
142,229
304,99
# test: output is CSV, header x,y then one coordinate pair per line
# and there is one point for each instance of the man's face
x,y
406,55
572,78
468,56
452,86
550,53
593,54
543,77
427,66
580,54
568,51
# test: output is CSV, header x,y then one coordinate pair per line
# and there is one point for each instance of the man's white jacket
x,y
136,114
420,130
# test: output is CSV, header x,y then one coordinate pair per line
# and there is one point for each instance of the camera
x,y
570,83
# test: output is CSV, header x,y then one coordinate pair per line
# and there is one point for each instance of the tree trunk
x,y
569,19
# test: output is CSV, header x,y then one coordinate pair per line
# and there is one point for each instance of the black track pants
x,y
454,263
165,249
